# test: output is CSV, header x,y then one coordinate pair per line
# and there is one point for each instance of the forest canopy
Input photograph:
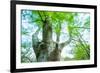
x,y
54,36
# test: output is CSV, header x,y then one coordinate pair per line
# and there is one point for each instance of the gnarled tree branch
x,y
62,45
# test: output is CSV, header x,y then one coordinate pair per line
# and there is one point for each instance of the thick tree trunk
x,y
47,50
47,41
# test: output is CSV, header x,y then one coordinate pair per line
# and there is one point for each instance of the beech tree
x,y
48,23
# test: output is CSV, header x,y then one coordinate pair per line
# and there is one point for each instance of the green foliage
x,y
82,51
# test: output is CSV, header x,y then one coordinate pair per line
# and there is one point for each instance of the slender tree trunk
x,y
55,55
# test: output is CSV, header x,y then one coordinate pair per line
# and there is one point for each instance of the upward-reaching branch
x,y
62,45
40,16
37,31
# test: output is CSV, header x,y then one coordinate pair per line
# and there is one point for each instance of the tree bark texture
x,y
47,49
